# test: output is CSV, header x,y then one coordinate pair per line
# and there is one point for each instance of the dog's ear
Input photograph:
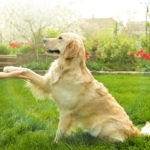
x,y
72,49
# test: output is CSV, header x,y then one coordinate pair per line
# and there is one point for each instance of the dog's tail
x,y
146,129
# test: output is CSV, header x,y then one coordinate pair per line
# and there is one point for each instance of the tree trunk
x,y
36,52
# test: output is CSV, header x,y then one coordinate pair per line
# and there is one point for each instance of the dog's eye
x,y
60,37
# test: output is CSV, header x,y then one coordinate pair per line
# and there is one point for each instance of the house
x,y
136,27
98,24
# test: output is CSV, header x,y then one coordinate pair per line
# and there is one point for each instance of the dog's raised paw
x,y
9,69
5,69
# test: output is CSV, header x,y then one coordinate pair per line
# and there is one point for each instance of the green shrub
x,y
38,65
97,65
26,49
4,50
143,65
112,52
41,50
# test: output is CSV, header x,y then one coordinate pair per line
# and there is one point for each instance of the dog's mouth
x,y
53,51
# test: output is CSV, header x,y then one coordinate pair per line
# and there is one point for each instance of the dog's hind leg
x,y
64,127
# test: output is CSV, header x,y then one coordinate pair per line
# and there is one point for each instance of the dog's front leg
x,y
64,127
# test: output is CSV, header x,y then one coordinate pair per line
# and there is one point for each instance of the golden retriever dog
x,y
82,101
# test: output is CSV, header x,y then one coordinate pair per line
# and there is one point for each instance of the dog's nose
x,y
44,40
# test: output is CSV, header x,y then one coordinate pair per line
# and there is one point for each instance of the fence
x,y
13,60
7,60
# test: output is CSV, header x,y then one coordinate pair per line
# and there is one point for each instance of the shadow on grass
x,y
87,140
42,140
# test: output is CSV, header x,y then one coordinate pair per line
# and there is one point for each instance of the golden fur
x,y
82,101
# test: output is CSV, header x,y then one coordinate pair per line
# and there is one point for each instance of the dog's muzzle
x,y
50,50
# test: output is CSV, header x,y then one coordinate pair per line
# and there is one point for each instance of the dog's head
x,y
67,45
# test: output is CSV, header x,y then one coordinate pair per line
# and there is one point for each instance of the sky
x,y
123,10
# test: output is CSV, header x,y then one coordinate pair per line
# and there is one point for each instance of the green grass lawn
x,y
27,124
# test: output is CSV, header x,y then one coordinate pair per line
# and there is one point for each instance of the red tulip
x,y
13,45
148,57
86,54
22,43
27,43
144,55
141,51
132,54
137,54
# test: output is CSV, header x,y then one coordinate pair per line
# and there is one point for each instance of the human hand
x,y
17,74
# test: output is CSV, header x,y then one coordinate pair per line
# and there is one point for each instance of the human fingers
x,y
24,77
